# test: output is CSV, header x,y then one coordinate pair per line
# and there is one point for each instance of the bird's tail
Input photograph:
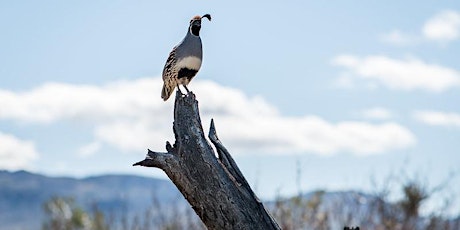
x,y
166,91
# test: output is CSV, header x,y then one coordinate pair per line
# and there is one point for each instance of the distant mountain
x,y
22,195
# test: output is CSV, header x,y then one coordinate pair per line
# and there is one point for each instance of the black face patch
x,y
195,30
186,72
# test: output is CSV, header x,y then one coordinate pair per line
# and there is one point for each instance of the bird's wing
x,y
170,63
169,75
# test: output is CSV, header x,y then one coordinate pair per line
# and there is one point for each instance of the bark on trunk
x,y
214,186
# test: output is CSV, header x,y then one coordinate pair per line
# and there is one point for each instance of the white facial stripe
x,y
189,62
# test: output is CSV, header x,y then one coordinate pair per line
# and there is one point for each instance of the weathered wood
x,y
214,186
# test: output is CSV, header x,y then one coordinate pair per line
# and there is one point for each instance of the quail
x,y
184,60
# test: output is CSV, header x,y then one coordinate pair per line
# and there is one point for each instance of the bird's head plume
x,y
195,24
208,16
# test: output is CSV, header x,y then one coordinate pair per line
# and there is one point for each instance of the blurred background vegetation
x,y
315,210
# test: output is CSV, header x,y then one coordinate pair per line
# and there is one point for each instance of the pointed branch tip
x,y
212,130
138,163
212,124
169,148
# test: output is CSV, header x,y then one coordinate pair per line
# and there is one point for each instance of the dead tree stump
x,y
214,186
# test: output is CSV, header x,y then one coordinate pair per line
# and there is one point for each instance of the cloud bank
x,y
406,74
130,116
443,27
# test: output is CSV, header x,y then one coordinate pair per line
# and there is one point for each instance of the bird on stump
x,y
184,61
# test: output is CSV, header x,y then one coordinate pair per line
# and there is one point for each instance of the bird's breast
x,y
190,62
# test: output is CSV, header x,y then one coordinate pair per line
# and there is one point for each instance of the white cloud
x,y
405,74
377,113
437,118
443,27
115,109
129,115
57,101
312,134
15,153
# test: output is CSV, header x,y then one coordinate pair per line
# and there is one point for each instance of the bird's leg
x,y
178,89
188,91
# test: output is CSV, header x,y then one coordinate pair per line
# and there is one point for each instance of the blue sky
x,y
349,90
